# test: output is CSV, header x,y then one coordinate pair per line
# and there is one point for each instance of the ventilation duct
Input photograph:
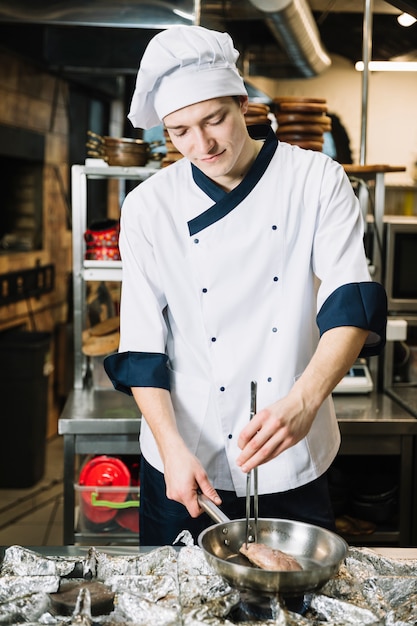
x,y
292,24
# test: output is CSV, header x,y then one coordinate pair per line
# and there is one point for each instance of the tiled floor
x,y
34,516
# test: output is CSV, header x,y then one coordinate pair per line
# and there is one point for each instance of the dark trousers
x,y
161,519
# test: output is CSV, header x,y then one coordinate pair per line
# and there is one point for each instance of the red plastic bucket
x,y
109,478
128,518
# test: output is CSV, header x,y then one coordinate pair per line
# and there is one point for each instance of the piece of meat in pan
x,y
265,557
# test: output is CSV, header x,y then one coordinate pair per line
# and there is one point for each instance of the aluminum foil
x,y
369,589
142,612
337,611
201,589
20,561
12,587
177,587
161,589
192,562
160,561
25,609
204,594
82,610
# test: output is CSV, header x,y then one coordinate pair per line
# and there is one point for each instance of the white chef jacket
x,y
220,289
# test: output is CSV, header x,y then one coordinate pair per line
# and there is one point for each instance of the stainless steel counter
x,y
374,413
95,422
122,550
406,396
107,422
106,411
109,412
377,425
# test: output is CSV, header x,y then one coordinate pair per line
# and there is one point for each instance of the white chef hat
x,y
181,66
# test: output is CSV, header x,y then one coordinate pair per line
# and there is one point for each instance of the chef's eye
x,y
217,121
179,133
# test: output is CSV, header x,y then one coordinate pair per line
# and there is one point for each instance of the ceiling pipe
x,y
293,26
366,56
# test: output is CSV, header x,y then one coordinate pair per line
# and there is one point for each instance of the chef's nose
x,y
204,142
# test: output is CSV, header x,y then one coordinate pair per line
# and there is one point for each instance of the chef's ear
x,y
243,103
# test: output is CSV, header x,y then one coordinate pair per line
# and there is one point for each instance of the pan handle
x,y
211,509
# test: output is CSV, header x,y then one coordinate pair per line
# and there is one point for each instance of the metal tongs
x,y
252,536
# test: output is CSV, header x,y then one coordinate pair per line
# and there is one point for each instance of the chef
x,y
242,262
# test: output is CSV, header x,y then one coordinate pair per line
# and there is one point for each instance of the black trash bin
x,y
25,365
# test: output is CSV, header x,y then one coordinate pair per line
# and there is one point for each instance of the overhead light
x,y
183,14
388,66
405,19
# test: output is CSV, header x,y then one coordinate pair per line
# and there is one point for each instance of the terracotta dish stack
x,y
257,113
302,121
125,152
118,150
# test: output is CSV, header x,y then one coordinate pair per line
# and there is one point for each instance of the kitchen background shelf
x,y
102,270
83,270
94,421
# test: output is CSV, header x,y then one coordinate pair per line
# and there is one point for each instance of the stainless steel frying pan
x,y
319,552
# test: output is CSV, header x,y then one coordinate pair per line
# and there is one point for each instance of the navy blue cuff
x,y
137,369
363,305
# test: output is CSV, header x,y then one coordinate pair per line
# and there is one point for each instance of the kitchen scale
x,y
357,380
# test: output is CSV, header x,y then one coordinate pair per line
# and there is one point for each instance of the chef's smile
x,y
212,157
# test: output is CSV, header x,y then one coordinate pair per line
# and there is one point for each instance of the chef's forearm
x,y
184,475
156,408
336,352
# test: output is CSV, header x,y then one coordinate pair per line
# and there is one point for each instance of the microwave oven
x,y
400,267
400,356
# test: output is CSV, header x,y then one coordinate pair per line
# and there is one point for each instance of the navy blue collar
x,y
225,201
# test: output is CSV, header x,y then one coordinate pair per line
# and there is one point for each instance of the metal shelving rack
x,y
94,421
84,271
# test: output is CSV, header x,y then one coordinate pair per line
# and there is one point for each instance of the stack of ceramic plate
x,y
302,121
172,153
257,113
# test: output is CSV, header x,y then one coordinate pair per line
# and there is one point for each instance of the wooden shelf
x,y
353,169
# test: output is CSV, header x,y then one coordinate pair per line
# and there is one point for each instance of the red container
x,y
109,479
102,239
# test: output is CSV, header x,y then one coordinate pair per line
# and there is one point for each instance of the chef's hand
x,y
183,473
273,430
284,423
184,478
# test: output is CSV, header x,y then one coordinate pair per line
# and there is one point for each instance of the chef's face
x,y
212,134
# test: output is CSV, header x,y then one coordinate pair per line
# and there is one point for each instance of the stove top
x,y
169,586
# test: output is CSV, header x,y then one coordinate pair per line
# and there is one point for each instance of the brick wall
x,y
34,100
